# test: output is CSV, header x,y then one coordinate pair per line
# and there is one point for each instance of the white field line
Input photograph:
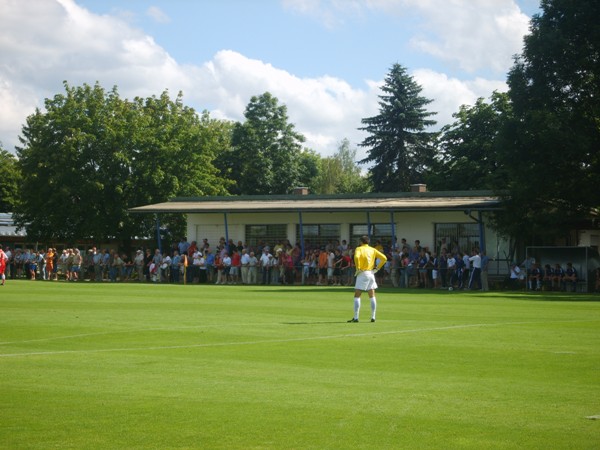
x,y
104,333
276,341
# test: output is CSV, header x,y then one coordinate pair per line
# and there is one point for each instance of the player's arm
x,y
382,259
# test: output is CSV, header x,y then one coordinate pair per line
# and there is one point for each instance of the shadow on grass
x,y
314,323
516,295
547,296
304,289
389,290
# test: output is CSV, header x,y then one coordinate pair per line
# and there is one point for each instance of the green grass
x,y
226,367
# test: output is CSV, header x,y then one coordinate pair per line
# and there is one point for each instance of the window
x,y
379,231
461,236
269,234
318,235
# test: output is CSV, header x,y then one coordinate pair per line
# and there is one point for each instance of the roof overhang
x,y
411,202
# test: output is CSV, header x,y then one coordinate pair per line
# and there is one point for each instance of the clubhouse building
x,y
455,219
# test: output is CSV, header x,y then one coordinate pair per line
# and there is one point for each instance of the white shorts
x,y
365,281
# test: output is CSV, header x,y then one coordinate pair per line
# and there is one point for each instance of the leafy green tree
x,y
174,153
327,180
399,147
467,156
310,166
10,180
71,155
266,153
552,160
92,155
340,174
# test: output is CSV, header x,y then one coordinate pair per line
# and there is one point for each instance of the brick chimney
x,y
418,188
300,191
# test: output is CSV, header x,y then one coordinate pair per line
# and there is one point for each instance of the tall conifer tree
x,y
400,148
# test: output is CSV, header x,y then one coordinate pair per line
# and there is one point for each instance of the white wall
x,y
589,238
409,225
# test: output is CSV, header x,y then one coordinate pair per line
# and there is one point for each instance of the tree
x,y
398,144
174,156
552,160
92,155
10,178
265,156
310,166
71,154
339,174
468,150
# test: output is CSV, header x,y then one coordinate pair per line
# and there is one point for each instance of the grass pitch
x,y
225,367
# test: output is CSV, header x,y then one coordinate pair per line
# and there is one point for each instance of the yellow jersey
x,y
365,256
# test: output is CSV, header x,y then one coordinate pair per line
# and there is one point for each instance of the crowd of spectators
x,y
332,264
69,264
449,268
408,266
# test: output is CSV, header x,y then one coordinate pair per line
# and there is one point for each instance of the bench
x,y
581,286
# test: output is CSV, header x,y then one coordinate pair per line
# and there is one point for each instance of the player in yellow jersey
x,y
365,258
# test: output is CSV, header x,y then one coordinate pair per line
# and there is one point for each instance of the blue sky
x,y
193,32
324,59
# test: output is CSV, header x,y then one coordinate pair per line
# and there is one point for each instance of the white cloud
x,y
325,109
158,15
330,13
17,103
46,42
473,35
72,44
43,42
448,94
476,35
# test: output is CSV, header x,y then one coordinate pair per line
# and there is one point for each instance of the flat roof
x,y
412,201
8,228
